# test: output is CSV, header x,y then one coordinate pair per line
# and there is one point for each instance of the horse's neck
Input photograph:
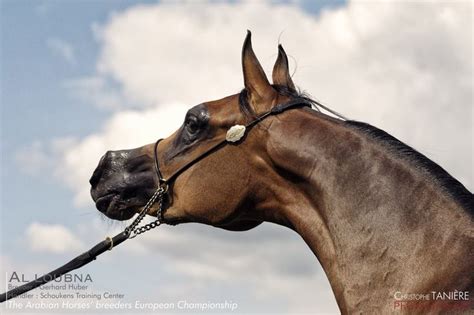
x,y
377,224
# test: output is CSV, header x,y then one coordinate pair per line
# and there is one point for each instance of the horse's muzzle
x,y
122,183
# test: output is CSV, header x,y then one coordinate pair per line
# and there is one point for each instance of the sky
x,y
79,78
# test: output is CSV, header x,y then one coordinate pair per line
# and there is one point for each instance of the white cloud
x,y
41,157
52,238
62,49
95,89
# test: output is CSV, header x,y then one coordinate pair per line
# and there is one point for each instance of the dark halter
x,y
161,180
277,109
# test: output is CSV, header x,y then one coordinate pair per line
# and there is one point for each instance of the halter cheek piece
x,y
234,134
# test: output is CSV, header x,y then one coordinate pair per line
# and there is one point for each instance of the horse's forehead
x,y
224,104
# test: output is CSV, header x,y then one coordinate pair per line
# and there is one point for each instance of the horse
x,y
387,224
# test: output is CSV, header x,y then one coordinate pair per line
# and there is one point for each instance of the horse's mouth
x,y
110,204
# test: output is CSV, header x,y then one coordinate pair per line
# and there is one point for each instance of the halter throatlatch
x,y
133,229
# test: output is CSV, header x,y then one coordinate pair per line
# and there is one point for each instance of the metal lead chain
x,y
146,227
133,230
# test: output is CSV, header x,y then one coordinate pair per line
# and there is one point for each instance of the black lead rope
x,y
130,231
133,229
74,264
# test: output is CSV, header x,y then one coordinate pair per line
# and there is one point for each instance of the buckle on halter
x,y
164,186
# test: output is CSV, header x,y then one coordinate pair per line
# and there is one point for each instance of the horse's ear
x,y
255,80
281,71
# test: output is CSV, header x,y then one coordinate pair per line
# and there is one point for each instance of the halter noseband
x,y
161,180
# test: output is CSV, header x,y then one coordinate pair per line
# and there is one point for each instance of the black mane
x,y
452,186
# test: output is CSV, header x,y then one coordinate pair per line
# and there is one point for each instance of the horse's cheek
x,y
213,190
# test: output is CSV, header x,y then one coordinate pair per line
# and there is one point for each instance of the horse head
x,y
226,188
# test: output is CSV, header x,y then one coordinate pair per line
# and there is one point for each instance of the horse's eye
x,y
192,125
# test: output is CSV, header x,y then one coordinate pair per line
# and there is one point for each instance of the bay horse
x,y
387,224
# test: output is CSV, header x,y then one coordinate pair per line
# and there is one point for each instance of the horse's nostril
x,y
94,180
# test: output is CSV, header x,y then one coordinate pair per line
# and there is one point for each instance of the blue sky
x,y
350,62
